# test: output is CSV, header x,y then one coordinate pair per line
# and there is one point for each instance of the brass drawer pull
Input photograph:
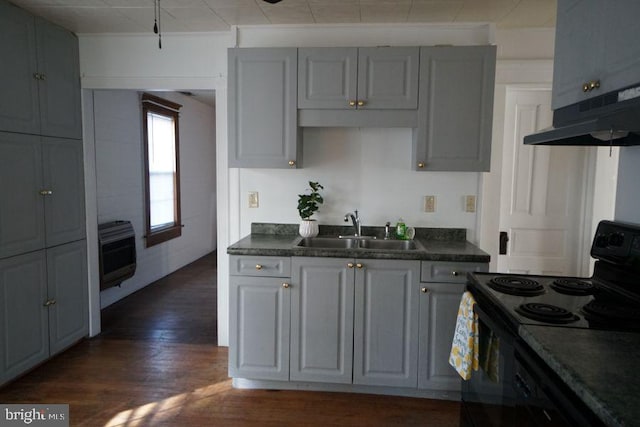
x,y
258,267
350,265
424,290
359,265
286,285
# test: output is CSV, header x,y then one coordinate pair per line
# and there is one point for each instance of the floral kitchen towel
x,y
465,345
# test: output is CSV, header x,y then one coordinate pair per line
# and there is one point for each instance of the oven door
x,y
488,398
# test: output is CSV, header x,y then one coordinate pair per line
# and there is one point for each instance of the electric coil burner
x,y
514,285
572,287
546,313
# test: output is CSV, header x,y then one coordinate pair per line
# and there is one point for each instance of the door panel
x,y
21,205
24,337
327,77
322,320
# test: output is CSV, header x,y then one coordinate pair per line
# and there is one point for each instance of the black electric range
x,y
608,300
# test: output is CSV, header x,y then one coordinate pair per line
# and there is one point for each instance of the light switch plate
x,y
470,203
430,204
253,199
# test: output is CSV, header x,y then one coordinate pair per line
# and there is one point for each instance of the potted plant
x,y
308,204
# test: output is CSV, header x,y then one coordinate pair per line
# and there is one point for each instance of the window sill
x,y
162,235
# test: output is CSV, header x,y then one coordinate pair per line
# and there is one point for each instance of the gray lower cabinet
x,y
263,124
592,45
358,78
440,291
259,320
456,109
40,84
43,306
42,183
386,323
322,296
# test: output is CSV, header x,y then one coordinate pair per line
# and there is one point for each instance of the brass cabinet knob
x,y
292,163
350,265
359,265
589,86
352,103
258,267
46,192
454,273
285,285
49,302
424,290
420,165
361,103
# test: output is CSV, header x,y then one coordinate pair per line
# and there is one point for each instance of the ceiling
x,y
137,16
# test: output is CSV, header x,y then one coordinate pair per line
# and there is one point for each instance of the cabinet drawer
x,y
451,272
270,266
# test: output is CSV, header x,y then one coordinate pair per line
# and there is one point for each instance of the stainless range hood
x,y
616,128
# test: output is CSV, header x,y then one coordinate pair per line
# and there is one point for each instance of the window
x,y
162,169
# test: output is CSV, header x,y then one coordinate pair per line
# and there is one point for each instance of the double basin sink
x,y
358,243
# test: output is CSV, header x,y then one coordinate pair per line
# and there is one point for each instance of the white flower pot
x,y
308,228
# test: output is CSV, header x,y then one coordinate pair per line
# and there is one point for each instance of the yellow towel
x,y
465,346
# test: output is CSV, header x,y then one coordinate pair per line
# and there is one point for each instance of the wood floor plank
x,y
157,364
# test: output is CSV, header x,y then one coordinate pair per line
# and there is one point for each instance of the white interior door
x,y
543,193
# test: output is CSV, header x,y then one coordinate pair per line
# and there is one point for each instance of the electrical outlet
x,y
253,199
470,203
429,203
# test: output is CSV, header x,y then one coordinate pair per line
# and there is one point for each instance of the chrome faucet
x,y
387,234
354,220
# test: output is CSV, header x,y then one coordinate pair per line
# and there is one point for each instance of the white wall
x,y
368,169
120,182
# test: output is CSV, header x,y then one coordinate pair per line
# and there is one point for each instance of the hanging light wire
x,y
157,24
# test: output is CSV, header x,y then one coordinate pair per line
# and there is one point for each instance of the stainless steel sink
x,y
394,245
328,243
357,243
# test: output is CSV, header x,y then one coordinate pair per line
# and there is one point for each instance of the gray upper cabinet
x,y
456,109
386,323
593,52
358,78
322,319
263,128
41,82
43,186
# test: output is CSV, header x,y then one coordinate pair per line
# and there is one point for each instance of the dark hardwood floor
x,y
157,364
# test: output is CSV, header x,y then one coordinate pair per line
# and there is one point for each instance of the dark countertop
x,y
599,366
434,244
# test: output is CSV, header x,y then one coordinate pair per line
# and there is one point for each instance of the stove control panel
x,y
618,243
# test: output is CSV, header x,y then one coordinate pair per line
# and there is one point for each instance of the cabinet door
x,y
386,323
263,130
456,108
439,304
388,77
64,178
259,328
24,336
21,205
19,88
327,77
579,42
322,320
67,286
59,91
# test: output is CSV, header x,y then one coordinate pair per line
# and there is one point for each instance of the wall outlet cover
x,y
430,204
470,203
253,199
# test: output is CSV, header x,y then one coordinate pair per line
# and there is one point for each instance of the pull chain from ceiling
x,y
157,21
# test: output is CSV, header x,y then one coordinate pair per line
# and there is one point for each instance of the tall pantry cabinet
x,y
43,257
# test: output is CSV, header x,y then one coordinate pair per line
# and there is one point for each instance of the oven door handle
x,y
499,330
